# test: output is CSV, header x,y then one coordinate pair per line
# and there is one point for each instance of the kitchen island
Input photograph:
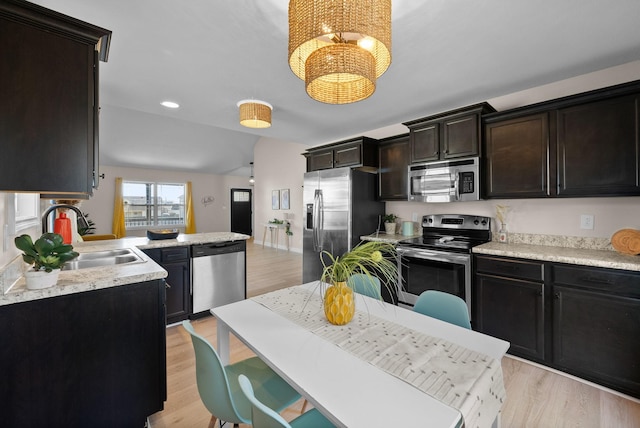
x,y
89,351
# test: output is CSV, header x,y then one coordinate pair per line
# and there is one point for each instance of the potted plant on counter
x,y
390,223
47,255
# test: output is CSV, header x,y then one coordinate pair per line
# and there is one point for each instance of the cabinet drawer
x,y
608,280
510,268
174,254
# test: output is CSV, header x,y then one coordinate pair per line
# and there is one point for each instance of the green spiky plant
x,y
372,258
49,252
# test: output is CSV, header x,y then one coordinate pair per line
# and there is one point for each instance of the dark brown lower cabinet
x,y
176,261
577,319
596,320
514,311
509,303
96,358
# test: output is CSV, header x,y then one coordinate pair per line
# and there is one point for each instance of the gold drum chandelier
x,y
339,48
255,113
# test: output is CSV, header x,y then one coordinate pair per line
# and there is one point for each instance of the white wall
x,y
278,165
215,217
541,216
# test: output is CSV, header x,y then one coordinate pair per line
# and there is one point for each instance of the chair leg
x,y
304,406
212,422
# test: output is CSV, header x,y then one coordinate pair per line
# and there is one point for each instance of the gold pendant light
x,y
255,113
339,47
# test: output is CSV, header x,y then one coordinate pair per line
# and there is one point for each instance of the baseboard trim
x,y
576,378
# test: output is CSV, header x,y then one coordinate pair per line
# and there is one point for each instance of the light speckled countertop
x,y
549,248
577,256
77,281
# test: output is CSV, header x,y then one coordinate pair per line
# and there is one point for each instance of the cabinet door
x,y
425,143
392,175
47,111
348,155
95,358
599,148
512,310
320,160
175,260
517,157
178,291
460,137
595,336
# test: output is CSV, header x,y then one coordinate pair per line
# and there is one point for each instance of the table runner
x,y
466,380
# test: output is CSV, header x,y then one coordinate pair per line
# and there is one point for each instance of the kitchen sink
x,y
103,258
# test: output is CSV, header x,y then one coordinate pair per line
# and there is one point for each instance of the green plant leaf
x,y
44,246
25,244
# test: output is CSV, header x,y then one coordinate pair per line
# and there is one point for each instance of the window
x,y
23,211
153,204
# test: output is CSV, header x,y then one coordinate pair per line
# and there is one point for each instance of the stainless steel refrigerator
x,y
340,206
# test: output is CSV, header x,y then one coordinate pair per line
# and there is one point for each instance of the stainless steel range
x,y
441,258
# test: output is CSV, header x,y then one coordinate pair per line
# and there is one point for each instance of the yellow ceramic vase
x,y
339,304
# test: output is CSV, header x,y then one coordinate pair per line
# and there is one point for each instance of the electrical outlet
x,y
586,221
414,217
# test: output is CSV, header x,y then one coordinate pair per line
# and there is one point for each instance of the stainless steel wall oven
x,y
441,258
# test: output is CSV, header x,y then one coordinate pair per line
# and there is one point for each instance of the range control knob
x,y
484,222
476,222
430,220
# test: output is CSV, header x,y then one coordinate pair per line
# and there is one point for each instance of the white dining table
x,y
349,391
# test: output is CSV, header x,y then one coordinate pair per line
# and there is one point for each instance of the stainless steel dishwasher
x,y
219,274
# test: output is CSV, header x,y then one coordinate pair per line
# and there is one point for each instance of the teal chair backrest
x,y
261,415
366,285
443,306
212,381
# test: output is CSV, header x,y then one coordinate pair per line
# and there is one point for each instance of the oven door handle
x,y
433,255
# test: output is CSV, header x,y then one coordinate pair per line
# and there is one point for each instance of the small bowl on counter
x,y
162,234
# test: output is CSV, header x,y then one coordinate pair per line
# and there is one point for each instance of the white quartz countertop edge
x,y
81,280
577,256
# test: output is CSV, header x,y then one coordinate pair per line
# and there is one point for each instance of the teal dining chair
x,y
443,306
365,284
219,389
263,416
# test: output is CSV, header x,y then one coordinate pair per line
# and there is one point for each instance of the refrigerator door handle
x,y
317,220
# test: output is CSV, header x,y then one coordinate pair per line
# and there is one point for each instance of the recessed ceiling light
x,y
170,104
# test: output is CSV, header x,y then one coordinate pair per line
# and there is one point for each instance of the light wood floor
x,y
536,397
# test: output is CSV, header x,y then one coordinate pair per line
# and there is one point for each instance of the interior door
x,y
241,211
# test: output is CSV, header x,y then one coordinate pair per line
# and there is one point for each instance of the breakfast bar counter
x,y
12,284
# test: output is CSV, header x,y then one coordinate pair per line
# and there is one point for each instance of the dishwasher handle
x,y
212,249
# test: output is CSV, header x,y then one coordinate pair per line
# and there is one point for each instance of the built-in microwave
x,y
445,181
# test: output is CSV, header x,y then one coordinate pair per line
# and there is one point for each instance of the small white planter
x,y
39,279
390,228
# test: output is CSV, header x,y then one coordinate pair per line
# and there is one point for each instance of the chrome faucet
x,y
82,220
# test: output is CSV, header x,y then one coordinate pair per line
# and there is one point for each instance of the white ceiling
x,y
209,54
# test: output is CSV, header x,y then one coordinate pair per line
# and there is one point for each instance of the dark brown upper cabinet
x,y
585,145
361,152
517,157
598,148
394,156
49,111
448,135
